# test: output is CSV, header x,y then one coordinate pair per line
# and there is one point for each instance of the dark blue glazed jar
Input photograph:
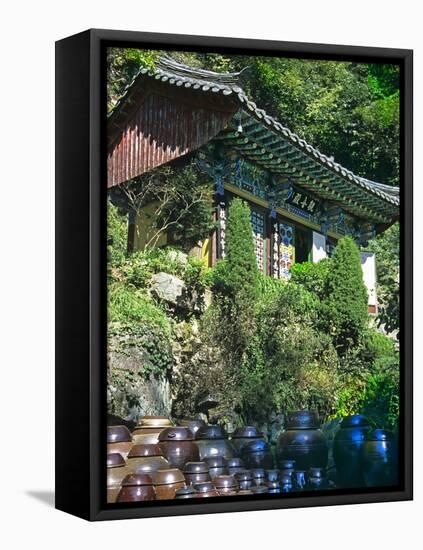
x,y
379,459
347,447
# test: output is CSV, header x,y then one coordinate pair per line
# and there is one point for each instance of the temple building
x,y
301,201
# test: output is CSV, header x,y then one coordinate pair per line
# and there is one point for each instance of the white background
x,y
28,32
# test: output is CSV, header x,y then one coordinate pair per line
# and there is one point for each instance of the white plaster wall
x,y
318,251
368,265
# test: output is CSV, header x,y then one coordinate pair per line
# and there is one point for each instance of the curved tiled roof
x,y
176,74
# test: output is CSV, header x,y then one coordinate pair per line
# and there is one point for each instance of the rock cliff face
x,y
135,388
130,393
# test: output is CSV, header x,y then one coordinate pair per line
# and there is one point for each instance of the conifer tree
x,y
346,313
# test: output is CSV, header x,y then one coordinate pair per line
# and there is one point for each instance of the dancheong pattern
x,y
286,249
257,222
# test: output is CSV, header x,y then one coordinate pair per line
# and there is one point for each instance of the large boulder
x,y
174,292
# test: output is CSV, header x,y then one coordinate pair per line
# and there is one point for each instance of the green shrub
x,y
381,398
312,276
128,305
117,230
237,275
345,313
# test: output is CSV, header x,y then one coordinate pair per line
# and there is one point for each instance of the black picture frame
x,y
80,273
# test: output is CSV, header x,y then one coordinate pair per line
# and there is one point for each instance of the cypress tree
x,y
241,271
346,313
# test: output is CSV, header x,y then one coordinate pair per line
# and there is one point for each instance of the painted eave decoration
x,y
196,106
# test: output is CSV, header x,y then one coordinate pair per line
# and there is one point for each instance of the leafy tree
x,y
345,312
386,247
181,198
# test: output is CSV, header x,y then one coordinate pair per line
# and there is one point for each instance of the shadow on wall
x,y
46,497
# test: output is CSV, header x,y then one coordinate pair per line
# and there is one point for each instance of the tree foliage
x,y
345,313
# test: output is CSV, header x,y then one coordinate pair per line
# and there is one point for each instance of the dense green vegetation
x,y
265,345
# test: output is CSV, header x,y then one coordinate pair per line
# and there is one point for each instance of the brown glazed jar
x,y
212,441
136,488
217,466
119,440
303,441
235,465
167,482
148,429
196,472
244,480
116,472
146,458
205,490
178,447
225,484
185,493
243,435
193,424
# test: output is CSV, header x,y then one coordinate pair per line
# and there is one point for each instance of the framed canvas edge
x,y
95,415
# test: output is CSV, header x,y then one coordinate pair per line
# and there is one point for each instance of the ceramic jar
x,y
347,446
167,482
259,476
317,479
205,490
257,454
196,472
243,435
273,486
217,466
148,429
302,441
235,465
193,424
286,483
146,458
244,479
299,480
272,475
178,447
225,484
186,492
136,488
116,472
212,441
119,440
259,489
379,459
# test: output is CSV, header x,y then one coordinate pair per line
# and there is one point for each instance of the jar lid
x,y
167,476
255,446
118,434
132,480
246,432
224,481
196,468
235,463
355,420
176,433
145,449
302,420
245,475
211,432
115,460
204,487
216,462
